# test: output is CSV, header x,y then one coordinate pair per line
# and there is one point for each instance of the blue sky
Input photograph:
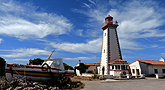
x,y
33,28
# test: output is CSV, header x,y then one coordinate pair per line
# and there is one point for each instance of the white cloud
x,y
83,58
1,40
163,54
23,21
154,46
127,44
25,52
162,40
93,46
21,59
92,2
137,19
79,32
86,5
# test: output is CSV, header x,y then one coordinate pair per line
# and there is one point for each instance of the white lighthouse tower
x,y
110,45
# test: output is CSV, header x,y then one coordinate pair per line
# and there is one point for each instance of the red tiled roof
x,y
152,62
128,63
98,63
118,60
90,64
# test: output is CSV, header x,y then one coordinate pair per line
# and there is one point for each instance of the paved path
x,y
144,84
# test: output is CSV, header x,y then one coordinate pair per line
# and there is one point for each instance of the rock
x,y
10,88
43,86
50,87
35,83
18,88
78,84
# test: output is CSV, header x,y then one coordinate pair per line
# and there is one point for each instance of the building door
x,y
137,72
103,71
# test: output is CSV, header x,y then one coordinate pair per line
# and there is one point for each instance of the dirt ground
x,y
82,78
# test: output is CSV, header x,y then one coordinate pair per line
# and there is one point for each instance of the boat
x,y
50,69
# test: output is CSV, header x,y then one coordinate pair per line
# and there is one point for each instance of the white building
x,y
111,50
147,67
118,67
92,69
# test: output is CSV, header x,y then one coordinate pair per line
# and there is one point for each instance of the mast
x,y
51,54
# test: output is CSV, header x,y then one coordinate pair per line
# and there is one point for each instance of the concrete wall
x,y
159,68
117,73
113,43
78,72
92,69
135,65
104,53
87,74
144,68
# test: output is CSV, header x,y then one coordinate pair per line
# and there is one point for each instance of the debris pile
x,y
22,84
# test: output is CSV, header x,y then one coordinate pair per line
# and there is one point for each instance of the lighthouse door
x,y
103,71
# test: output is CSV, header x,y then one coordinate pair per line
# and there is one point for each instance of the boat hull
x,y
34,73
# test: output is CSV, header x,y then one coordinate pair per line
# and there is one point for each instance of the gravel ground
x,y
144,84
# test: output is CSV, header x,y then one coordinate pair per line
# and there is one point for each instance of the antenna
x,y
51,54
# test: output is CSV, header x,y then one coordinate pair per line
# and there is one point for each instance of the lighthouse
x,y
110,45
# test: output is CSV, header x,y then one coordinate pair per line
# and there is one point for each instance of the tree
x,y
67,67
2,66
82,68
37,61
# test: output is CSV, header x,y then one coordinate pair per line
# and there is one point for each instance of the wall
x,y
92,68
95,70
78,72
144,68
114,47
159,67
117,73
135,65
87,74
104,53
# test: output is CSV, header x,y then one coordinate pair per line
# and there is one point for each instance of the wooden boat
x,y
50,69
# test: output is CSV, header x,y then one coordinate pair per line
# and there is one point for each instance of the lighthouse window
x,y
104,50
105,34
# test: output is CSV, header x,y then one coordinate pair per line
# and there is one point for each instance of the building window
x,y
156,70
123,67
104,50
117,66
163,70
105,34
133,70
112,66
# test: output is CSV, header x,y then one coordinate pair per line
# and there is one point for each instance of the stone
x,y
10,88
18,88
35,83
